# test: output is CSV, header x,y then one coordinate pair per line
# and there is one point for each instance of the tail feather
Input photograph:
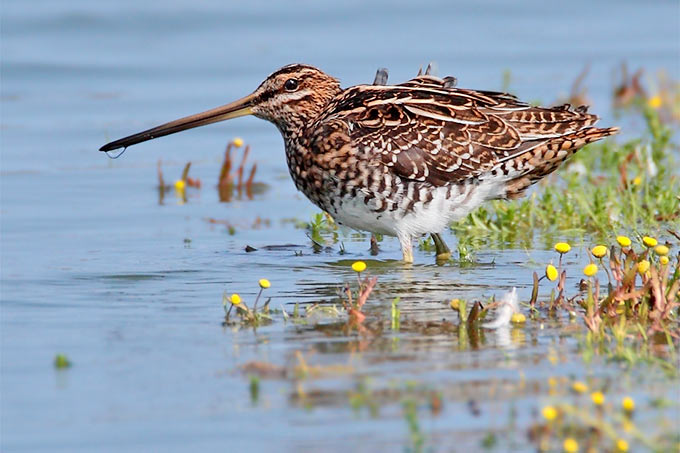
x,y
539,162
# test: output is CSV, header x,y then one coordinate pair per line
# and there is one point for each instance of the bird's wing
x,y
427,130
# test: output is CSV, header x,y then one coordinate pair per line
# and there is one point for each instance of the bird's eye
x,y
291,85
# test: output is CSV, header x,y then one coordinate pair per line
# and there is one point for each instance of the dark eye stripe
x,y
267,95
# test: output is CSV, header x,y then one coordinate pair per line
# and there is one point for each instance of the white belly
x,y
422,218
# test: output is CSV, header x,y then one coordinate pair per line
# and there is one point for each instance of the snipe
x,y
403,160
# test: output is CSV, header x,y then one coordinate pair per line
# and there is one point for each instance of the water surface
x,y
130,289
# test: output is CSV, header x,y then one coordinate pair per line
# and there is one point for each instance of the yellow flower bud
x,y
621,445
598,398
562,247
180,184
623,241
655,101
643,266
358,266
455,303
664,260
579,387
628,404
238,142
649,242
590,270
549,413
570,445
264,283
661,250
599,251
235,299
551,272
518,318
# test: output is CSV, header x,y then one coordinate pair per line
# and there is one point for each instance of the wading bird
x,y
403,160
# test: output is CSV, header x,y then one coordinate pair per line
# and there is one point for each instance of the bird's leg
x,y
443,252
406,248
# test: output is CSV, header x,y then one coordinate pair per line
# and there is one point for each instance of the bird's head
x,y
290,98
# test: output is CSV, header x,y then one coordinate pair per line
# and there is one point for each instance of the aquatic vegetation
x,y
353,305
395,314
649,242
623,241
562,247
608,295
249,316
651,302
254,389
599,251
179,186
551,272
663,95
228,183
594,424
61,361
590,270
320,226
629,90
411,415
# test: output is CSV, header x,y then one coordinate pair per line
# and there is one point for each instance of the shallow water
x,y
130,289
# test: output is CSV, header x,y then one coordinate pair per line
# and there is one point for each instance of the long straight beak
x,y
238,108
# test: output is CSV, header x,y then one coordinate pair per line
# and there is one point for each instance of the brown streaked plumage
x,y
407,159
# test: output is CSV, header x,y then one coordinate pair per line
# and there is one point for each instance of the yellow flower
x,y
551,272
358,266
643,266
235,299
649,242
623,241
628,404
590,270
264,283
621,445
562,247
238,142
455,303
655,101
518,318
664,260
180,184
570,445
637,181
661,250
549,413
598,398
579,387
599,251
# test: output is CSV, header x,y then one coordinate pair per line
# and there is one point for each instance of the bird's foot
x,y
442,250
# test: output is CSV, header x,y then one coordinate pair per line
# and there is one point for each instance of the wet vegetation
x,y
620,205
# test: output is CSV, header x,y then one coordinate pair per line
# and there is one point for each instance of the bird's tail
x,y
542,160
